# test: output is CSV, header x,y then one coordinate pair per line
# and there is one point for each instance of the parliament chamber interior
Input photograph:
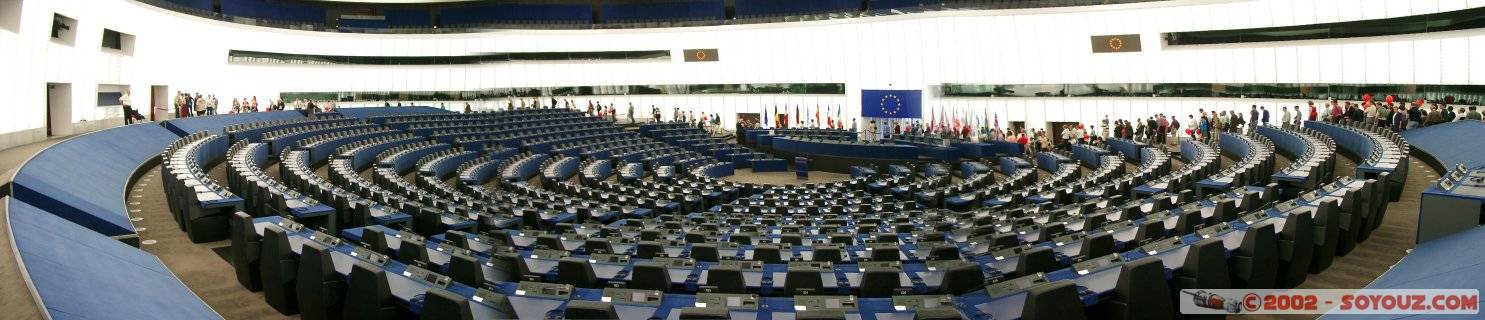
x,y
742,159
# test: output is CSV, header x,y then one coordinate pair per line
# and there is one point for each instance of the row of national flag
x,y
945,120
777,119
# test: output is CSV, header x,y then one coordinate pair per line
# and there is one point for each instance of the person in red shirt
x,y
1335,111
1313,113
1023,140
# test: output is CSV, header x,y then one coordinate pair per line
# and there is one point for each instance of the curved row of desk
x,y
1255,163
1377,150
933,147
1312,155
382,284
765,136
845,149
1454,203
68,219
1288,222
1201,160
1130,149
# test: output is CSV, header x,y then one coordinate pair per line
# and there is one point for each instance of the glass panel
x,y
502,93
289,58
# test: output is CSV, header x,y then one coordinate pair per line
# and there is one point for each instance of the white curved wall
x,y
1033,46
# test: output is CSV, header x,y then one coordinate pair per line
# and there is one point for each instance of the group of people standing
x,y
610,111
1154,129
1398,117
189,105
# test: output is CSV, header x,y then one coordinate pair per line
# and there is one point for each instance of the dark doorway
x,y
1016,127
1054,131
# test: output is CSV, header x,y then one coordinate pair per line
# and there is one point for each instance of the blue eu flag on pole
x,y
892,103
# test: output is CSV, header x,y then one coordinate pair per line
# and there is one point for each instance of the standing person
x,y
1253,116
191,103
1415,117
1314,114
1104,125
1286,116
1023,141
1139,130
1371,113
1264,117
199,107
1383,116
1035,144
1399,120
1238,124
1065,138
1235,122
1175,129
1219,121
255,104
631,112
1164,124
1473,114
1336,113
1152,130
182,105
129,113
1434,116
1206,129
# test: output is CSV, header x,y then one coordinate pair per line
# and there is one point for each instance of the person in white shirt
x,y
129,113
1288,118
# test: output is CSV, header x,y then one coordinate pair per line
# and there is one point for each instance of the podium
x,y
802,168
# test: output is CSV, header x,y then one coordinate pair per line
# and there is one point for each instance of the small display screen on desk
x,y
1012,286
539,289
729,300
428,277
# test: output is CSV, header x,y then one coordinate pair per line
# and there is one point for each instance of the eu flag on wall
x,y
892,103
